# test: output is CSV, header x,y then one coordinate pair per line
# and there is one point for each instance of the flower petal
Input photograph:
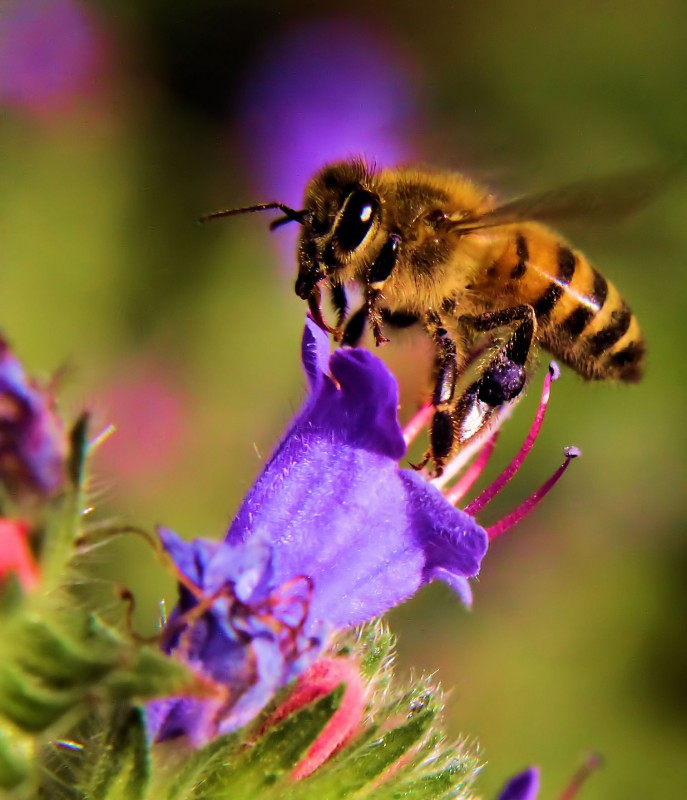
x,y
189,557
337,509
33,444
452,540
319,680
315,354
15,554
524,786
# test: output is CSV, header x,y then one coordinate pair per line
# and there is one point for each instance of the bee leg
x,y
373,299
315,307
380,271
355,327
442,432
504,376
339,302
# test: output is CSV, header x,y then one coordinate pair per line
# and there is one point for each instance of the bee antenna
x,y
290,214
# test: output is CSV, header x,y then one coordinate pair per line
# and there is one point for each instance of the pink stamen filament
x,y
592,764
491,491
463,486
534,499
417,422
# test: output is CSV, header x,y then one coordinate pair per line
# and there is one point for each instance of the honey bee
x,y
489,283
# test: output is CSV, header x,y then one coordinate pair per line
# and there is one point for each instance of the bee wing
x,y
600,200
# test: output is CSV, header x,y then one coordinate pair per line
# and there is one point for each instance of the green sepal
x,y
55,659
196,769
63,527
453,781
68,648
11,595
355,770
117,765
376,644
28,703
78,451
273,757
146,672
16,752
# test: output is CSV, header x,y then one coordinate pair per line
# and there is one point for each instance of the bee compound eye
x,y
358,216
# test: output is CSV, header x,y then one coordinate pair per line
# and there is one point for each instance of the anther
x,y
534,499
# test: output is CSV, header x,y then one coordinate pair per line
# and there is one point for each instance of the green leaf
x,y
276,753
16,750
377,645
181,780
78,451
147,672
453,781
12,595
368,763
64,523
117,765
29,703
69,649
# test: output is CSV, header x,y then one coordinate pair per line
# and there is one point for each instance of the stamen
x,y
462,487
129,599
417,422
591,765
492,490
534,499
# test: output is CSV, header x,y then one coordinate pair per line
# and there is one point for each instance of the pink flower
x,y
15,554
319,680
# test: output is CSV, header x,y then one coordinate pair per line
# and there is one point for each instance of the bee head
x,y
344,216
340,219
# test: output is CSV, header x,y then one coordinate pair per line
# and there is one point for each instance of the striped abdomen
x,y
582,319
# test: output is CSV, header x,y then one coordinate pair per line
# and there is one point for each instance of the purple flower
x,y
524,786
336,507
33,445
243,637
332,534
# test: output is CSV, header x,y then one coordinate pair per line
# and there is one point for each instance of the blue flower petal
x,y
33,443
273,673
524,786
314,354
247,567
452,540
336,507
188,557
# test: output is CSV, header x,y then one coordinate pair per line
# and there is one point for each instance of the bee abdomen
x,y
595,330
582,318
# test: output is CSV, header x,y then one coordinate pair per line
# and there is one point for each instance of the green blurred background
x,y
121,122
